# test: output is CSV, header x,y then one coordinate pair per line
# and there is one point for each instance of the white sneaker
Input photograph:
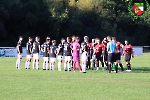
x,y
97,68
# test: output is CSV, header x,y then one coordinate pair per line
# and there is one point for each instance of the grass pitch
x,y
94,85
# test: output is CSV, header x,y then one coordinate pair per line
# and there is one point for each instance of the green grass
x,y
94,85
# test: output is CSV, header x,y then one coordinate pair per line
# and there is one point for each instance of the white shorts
x,y
84,56
36,56
52,59
46,58
29,56
68,58
59,57
19,56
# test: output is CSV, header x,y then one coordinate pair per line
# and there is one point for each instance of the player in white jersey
x,y
67,54
19,51
29,53
45,47
84,59
36,50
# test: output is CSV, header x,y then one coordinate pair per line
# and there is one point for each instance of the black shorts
x,y
111,57
99,58
105,57
127,57
118,56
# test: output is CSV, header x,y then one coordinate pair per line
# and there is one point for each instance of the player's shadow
x,y
141,70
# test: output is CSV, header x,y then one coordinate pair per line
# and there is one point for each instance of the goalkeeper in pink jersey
x,y
76,58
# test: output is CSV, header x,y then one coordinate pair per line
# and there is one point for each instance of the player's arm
x,y
132,52
17,47
39,48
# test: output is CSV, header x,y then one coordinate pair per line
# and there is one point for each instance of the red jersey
x,y
72,42
105,48
128,49
98,48
118,46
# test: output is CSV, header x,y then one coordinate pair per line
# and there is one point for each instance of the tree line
x,y
61,18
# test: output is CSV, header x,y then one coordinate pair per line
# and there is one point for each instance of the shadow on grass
x,y
141,70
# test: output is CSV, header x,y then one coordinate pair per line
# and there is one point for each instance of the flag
x,y
138,8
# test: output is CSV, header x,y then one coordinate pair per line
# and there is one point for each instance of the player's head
x,y
73,38
98,40
48,39
86,38
62,40
126,42
53,42
113,39
93,40
68,39
77,39
109,38
20,38
104,40
37,38
30,39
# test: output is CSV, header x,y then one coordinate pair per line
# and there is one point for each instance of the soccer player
x,y
98,50
76,58
67,54
111,49
84,59
105,53
92,55
45,48
60,53
19,51
36,50
52,54
85,44
128,52
29,53
118,54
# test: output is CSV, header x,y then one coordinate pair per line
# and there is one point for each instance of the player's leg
x,y
102,63
93,62
53,63
59,62
19,60
109,62
79,66
74,66
69,62
44,63
97,62
34,60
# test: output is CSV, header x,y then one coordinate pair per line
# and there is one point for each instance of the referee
x,y
111,49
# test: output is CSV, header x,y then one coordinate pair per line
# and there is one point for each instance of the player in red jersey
x,y
105,53
92,56
118,55
98,50
128,52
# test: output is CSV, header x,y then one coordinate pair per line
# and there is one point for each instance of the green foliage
x,y
61,18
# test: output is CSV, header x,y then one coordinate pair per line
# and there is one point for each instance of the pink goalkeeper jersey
x,y
76,48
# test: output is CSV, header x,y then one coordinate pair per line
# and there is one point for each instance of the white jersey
x,y
84,56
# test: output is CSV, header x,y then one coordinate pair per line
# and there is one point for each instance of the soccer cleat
x,y
65,69
69,70
83,72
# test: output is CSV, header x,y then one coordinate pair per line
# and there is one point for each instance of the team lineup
x,y
107,52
